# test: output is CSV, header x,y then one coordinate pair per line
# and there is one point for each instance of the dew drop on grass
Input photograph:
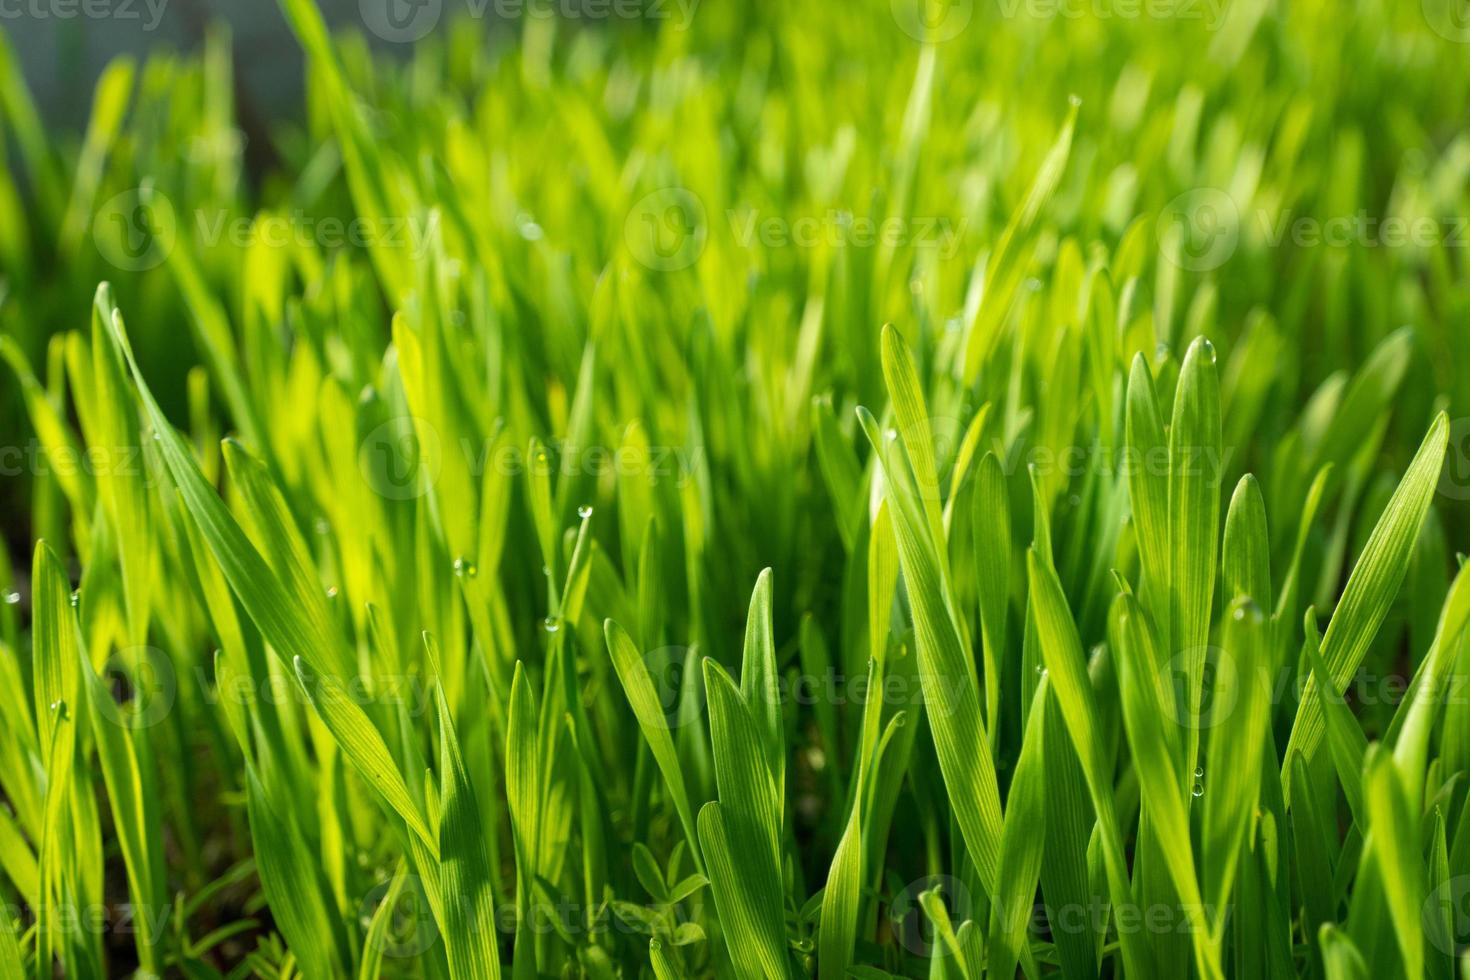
x,y
464,568
891,434
550,624
1199,789
1199,772
11,598
1208,348
585,511
332,592
76,599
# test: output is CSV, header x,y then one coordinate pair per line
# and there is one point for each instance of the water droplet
x,y
76,599
1040,669
1240,612
1074,100
157,436
1161,352
550,624
465,568
1199,772
891,434
1199,789
1074,501
585,511
332,592
11,598
1208,348
322,527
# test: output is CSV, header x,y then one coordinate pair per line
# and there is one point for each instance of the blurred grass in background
x,y
524,329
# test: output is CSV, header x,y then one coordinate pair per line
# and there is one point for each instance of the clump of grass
x,y
626,502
